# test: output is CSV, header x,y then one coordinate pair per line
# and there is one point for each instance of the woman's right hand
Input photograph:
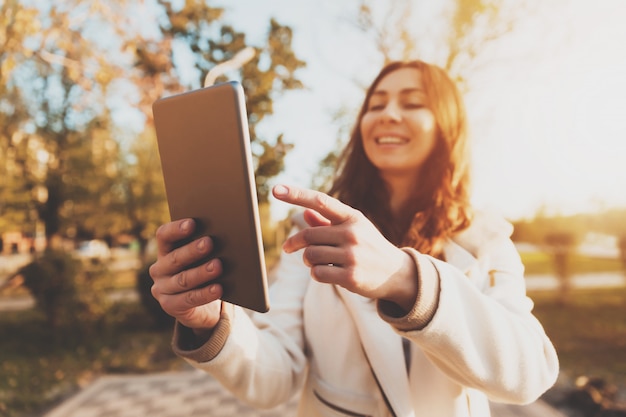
x,y
185,293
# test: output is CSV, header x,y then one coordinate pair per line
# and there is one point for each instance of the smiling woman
x,y
387,143
387,286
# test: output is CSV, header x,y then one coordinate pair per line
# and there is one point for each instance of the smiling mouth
x,y
390,140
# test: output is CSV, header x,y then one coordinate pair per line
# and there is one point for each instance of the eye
x,y
376,107
414,105
376,104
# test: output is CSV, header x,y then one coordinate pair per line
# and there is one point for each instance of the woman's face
x,y
398,129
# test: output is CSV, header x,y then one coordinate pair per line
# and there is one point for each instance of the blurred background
x,y
81,191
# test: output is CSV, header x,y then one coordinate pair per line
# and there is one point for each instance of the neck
x,y
401,188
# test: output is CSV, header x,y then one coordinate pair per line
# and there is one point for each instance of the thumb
x,y
313,218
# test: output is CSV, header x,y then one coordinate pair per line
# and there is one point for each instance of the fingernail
x,y
280,190
210,266
213,289
201,244
286,248
184,226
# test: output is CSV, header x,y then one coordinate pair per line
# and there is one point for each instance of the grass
x,y
589,331
542,263
41,366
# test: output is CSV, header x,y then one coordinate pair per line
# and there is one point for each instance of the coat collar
x,y
459,257
378,338
380,343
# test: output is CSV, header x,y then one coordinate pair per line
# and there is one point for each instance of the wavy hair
x,y
439,207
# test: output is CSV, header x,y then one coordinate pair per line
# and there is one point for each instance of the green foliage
x,y
68,292
138,204
66,164
160,318
39,368
562,246
269,164
17,23
51,281
49,137
268,74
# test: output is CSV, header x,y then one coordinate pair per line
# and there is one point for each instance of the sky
x,y
546,108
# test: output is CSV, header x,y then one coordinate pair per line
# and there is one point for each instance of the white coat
x,y
318,341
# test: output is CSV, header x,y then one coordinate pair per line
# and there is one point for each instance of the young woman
x,y
391,296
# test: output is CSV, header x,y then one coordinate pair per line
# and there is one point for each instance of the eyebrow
x,y
404,91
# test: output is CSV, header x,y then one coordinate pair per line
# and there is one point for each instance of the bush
x,y
38,369
66,291
161,319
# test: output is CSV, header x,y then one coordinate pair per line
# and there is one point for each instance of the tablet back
x,y
204,147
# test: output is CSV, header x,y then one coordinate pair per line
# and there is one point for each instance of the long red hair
x,y
440,207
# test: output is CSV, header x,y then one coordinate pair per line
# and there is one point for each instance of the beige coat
x,y
482,341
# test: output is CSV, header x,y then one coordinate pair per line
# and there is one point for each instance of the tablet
x,y
204,147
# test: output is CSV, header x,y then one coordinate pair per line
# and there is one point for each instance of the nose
x,y
391,113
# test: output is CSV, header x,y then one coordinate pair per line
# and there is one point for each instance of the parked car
x,y
93,250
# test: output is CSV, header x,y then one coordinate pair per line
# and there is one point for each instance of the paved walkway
x,y
171,394
194,394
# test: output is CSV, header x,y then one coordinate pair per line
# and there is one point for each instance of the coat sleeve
x,y
261,357
485,336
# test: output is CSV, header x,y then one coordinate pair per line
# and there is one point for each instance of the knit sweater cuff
x,y
426,302
186,345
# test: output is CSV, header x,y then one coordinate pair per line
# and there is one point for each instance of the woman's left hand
x,y
343,247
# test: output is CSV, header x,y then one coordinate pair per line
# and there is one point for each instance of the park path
x,y
193,393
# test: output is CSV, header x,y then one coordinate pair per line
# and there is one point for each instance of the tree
x,y
16,23
69,165
195,28
562,245
268,74
140,195
468,28
57,77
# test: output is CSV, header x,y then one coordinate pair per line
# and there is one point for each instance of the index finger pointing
x,y
331,208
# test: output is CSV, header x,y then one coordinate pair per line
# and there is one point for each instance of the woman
x,y
391,297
